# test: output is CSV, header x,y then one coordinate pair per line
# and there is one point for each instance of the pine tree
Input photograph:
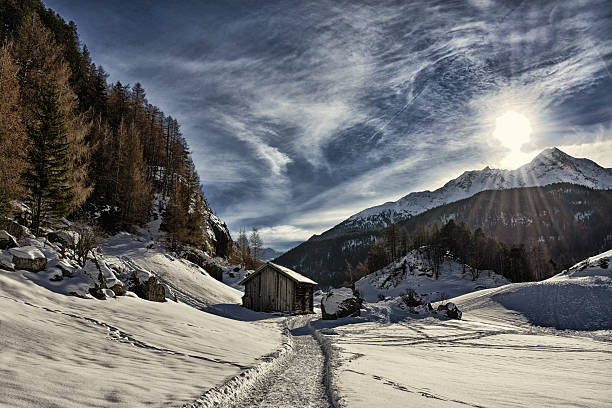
x,y
48,172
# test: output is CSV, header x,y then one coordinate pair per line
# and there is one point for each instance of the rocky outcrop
x,y
340,303
203,260
29,258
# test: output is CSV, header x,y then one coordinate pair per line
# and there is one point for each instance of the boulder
x,y
151,289
339,303
29,258
7,241
14,228
68,239
451,310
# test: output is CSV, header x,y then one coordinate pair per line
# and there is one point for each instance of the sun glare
x,y
513,130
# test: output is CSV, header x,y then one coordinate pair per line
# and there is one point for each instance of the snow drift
x,y
579,298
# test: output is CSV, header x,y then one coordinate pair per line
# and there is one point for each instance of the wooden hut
x,y
275,288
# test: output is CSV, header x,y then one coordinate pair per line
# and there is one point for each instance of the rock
x,y
68,239
14,228
202,259
411,298
118,289
7,241
339,303
451,310
151,289
29,258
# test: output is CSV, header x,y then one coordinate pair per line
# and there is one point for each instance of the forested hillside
x,y
544,229
72,145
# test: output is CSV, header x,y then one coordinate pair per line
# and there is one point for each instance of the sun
x,y
513,130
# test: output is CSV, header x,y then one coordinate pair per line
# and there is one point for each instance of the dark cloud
x,y
302,113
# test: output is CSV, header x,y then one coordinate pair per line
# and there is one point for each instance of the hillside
x,y
124,350
414,271
566,222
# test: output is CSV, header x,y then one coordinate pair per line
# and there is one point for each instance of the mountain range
x,y
472,198
550,166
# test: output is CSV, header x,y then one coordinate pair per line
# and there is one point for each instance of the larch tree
x,y
14,142
50,110
134,190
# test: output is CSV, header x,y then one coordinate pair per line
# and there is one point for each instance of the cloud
x,y
300,114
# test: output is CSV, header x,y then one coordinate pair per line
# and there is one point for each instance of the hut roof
x,y
291,274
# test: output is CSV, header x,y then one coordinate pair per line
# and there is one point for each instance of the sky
x,y
302,113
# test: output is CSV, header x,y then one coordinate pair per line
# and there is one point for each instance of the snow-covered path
x,y
298,382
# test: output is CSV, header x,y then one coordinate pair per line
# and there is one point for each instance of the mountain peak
x,y
552,153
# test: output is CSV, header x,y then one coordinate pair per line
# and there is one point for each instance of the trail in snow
x,y
298,382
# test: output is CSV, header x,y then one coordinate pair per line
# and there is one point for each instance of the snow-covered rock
x,y
7,240
6,260
339,303
451,310
28,258
66,238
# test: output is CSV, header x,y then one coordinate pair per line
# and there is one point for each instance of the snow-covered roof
x,y
291,274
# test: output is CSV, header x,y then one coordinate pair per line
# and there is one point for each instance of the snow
x,y
59,350
27,252
577,299
125,251
414,271
497,355
331,302
286,271
550,166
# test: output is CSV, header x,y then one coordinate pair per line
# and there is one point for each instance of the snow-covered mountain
x,y
550,166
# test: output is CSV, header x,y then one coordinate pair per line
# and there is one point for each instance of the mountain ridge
x,y
550,166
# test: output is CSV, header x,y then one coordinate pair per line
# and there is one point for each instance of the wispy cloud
x,y
300,114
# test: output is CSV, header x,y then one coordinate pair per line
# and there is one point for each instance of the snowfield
x,y
64,351
530,344
496,356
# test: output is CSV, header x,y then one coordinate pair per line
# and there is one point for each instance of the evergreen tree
x,y
48,172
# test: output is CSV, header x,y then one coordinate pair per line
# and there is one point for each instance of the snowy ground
x,y
494,357
64,351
